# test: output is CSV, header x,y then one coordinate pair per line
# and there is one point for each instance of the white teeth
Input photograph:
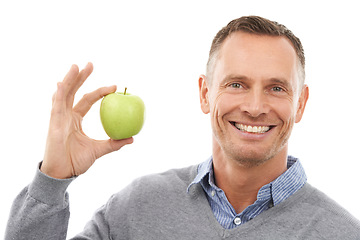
x,y
252,129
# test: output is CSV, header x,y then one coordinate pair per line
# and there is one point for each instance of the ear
x,y
203,91
302,103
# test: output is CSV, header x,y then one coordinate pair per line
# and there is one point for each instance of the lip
x,y
253,136
253,124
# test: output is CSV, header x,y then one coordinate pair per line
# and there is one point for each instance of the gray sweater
x,y
159,207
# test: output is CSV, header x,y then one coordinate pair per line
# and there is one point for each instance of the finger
x,y
59,104
73,80
117,144
69,78
68,82
80,78
108,146
86,102
54,96
59,96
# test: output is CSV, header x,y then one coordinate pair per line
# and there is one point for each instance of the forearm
x,y
40,211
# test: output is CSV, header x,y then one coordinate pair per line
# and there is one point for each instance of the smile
x,y
251,129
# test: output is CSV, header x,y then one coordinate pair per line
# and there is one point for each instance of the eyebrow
x,y
282,82
230,77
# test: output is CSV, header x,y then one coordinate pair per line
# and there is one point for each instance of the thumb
x,y
107,146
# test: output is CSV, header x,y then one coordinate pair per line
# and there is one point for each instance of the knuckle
x,y
87,98
55,111
100,92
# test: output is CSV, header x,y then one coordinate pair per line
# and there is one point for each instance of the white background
x,y
158,49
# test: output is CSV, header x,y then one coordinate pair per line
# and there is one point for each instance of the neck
x,y
242,183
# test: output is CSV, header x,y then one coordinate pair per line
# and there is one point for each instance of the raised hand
x,y
69,152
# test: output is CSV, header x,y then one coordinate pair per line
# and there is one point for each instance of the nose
x,y
255,104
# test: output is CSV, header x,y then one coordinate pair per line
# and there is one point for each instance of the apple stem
x,y
125,91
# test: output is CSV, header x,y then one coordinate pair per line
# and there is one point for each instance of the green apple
x,y
122,115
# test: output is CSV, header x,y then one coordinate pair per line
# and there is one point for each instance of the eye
x,y
277,89
235,85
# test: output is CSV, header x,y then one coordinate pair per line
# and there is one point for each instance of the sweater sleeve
x,y
40,211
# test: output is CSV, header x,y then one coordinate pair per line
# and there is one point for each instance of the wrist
x,y
48,190
53,172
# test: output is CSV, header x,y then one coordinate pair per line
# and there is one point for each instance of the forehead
x,y
256,56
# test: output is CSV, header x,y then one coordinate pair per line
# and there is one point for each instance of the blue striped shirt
x,y
268,196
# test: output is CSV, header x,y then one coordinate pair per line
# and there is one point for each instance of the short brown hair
x,y
260,26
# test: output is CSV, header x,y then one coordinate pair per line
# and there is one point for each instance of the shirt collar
x,y
204,169
289,182
279,189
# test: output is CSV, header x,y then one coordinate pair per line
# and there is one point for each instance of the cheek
x,y
285,109
222,104
286,113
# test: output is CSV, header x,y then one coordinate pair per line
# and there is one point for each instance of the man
x,y
250,188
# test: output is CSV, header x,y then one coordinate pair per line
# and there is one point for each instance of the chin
x,y
250,158
250,161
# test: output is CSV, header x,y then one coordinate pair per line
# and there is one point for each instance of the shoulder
x,y
149,195
327,215
311,214
327,205
154,186
165,181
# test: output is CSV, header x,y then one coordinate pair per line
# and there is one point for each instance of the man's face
x,y
253,97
